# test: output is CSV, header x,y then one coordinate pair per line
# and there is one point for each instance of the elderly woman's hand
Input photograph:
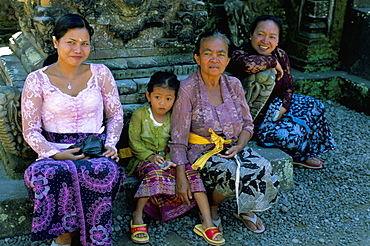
x,y
230,153
183,191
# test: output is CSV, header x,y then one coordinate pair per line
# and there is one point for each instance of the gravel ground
x,y
330,206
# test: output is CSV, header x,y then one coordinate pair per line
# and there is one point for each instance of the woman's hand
x,y
244,137
111,153
279,71
183,191
282,111
230,153
68,155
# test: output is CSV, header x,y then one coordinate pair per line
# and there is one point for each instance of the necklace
x,y
69,83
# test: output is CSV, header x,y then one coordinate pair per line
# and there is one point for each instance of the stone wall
x,y
134,37
355,51
8,22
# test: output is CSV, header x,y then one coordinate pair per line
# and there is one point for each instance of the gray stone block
x,y
132,98
142,84
126,86
15,207
282,164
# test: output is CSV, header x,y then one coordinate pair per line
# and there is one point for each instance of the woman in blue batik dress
x,y
294,123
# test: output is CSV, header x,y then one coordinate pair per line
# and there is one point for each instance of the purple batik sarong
x,y
74,195
159,185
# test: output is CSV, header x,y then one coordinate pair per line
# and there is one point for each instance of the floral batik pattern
x,y
303,132
258,186
74,195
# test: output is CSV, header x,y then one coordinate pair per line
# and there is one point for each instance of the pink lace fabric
x,y
46,106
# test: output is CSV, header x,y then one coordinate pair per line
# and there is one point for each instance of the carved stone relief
x,y
258,88
241,13
120,22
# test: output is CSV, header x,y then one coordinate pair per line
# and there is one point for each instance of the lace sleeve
x,y
252,63
112,107
31,105
287,80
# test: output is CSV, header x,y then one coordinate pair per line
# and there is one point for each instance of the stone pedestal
x,y
312,48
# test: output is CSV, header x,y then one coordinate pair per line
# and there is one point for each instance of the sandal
x,y
139,229
209,234
312,163
245,218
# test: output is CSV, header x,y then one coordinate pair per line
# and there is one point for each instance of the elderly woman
x,y
211,126
292,122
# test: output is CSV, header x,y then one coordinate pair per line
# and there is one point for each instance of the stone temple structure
x,y
134,38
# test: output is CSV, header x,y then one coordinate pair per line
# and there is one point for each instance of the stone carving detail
x,y
241,13
152,18
258,88
191,18
125,19
43,23
17,153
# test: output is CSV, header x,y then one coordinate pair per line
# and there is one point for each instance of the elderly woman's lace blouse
x,y
44,106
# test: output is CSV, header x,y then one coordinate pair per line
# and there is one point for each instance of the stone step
x,y
16,207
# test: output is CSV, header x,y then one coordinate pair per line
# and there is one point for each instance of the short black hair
x,y
260,18
165,80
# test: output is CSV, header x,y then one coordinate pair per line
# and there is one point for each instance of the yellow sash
x,y
215,139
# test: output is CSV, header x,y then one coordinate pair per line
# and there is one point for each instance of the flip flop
x,y
244,218
308,163
209,234
139,229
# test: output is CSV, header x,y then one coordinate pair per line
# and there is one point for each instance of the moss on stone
x,y
324,89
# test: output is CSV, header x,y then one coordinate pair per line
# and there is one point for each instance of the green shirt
x,y
144,137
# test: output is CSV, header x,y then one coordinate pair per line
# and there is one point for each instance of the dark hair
x,y
210,34
165,80
260,18
62,25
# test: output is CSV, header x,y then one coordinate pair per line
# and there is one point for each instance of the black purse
x,y
90,146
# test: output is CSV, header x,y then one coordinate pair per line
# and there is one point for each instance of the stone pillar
x,y
312,50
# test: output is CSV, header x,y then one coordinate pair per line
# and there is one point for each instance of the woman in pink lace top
x,y
62,103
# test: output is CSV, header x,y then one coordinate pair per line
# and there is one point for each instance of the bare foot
x,y
65,238
137,219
